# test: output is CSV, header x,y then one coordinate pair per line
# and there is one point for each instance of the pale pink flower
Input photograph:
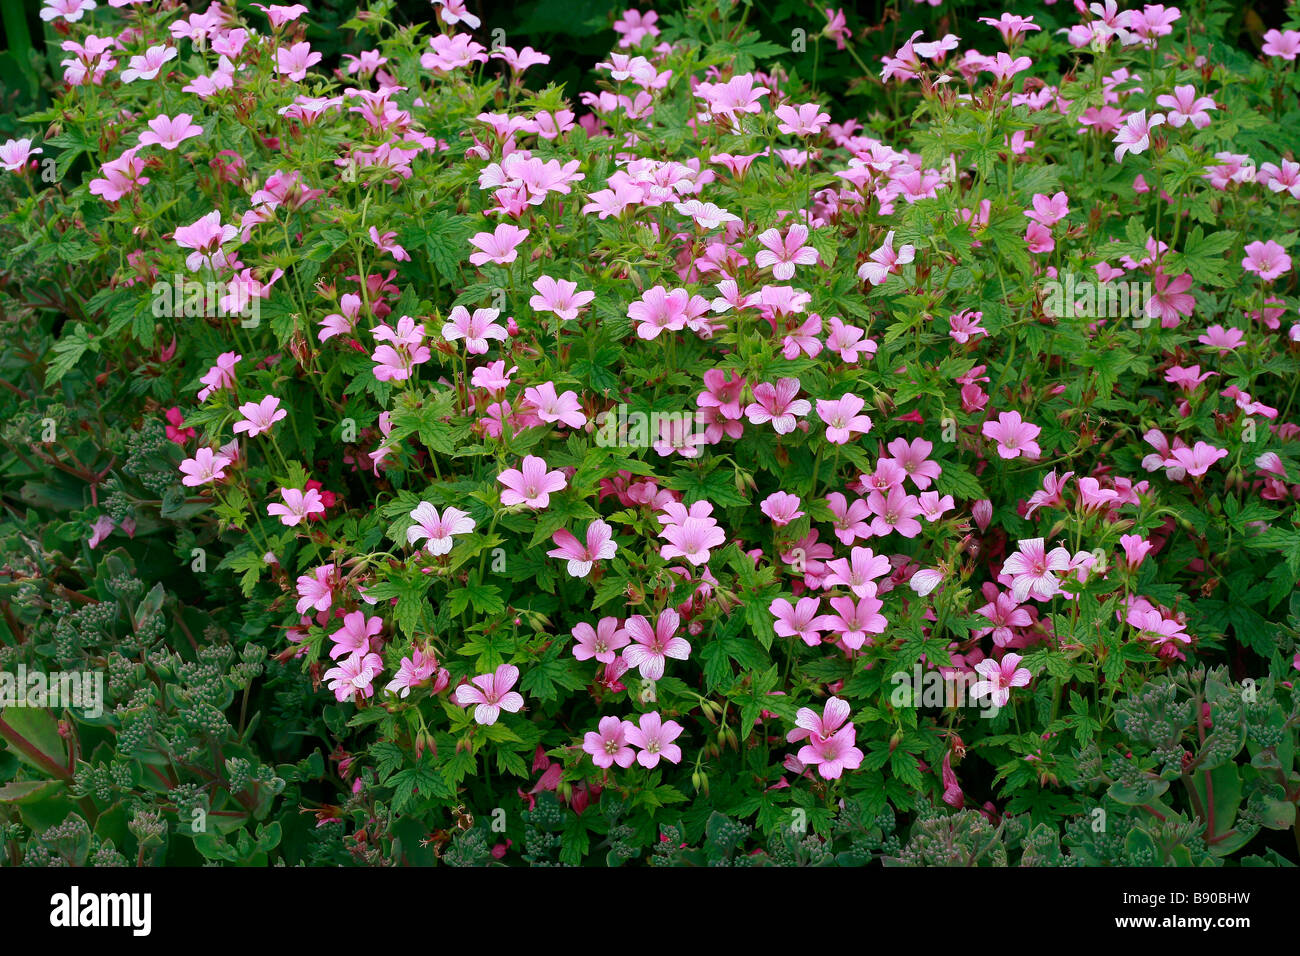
x,y
532,485
842,419
1185,106
148,66
885,261
654,737
354,675
602,643
499,246
652,646
297,507
1033,570
600,546
491,694
781,507
1196,461
316,590
608,745
777,404
477,329
1135,135
170,133
1283,43
550,407
205,467
831,737
1268,260
782,254
559,296
259,416
999,678
1014,436
437,528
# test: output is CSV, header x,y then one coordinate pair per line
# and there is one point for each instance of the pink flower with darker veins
x,y
842,420
602,643
1196,461
885,261
781,507
295,61
654,737
477,329
206,466
1014,436
999,678
491,693
832,739
1033,570
600,546
532,485
652,646
170,133
316,590
297,507
437,528
1135,135
355,675
259,416
1268,260
777,404
550,407
783,253
205,236
559,296
802,620
608,744
499,246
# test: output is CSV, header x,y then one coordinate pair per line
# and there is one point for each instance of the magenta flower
x,y
842,419
782,254
221,375
437,529
532,486
885,261
858,572
387,243
659,310
654,737
259,416
600,546
355,634
608,745
499,246
854,621
652,646
1014,436
415,670
295,61
692,537
602,643
999,678
491,694
1196,461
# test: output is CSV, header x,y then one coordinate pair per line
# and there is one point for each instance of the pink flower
x,y
499,246
654,737
259,416
608,745
415,670
221,375
15,154
205,236
855,620
316,590
600,546
1186,107
355,634
559,296
965,325
885,261
781,507
603,642
549,407
894,511
1283,43
706,215
1049,210
492,694
999,678
170,133
914,459
354,675
659,310
1197,460
777,404
476,329
1005,614
532,486
298,505
437,529
842,419
783,254
1136,549
1014,436
652,646
1268,260
295,61
801,620
691,535
1135,135
806,119
831,737
204,467
1033,570
386,243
